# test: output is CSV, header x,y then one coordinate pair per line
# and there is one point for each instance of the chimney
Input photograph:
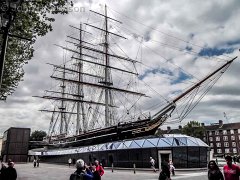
x,y
180,127
220,123
168,129
202,124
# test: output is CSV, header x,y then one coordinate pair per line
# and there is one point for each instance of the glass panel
x,y
183,141
176,142
170,140
110,146
203,157
147,144
180,157
193,157
193,139
127,143
191,143
100,146
140,142
116,144
134,145
120,146
163,143
201,143
154,141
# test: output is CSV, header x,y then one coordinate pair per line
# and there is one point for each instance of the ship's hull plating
x,y
119,132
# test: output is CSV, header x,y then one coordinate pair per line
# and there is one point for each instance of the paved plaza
x,y
62,172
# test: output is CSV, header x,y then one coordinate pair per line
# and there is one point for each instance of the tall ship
x,y
99,95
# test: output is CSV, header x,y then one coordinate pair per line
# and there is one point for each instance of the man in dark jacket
x,y
11,173
82,173
165,172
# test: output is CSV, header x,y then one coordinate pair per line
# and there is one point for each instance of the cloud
x,y
162,35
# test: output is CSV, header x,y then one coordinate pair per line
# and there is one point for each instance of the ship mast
x,y
107,73
80,105
62,108
101,83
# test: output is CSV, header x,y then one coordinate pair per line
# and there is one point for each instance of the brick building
x,y
222,138
15,144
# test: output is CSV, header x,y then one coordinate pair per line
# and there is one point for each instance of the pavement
x,y
62,172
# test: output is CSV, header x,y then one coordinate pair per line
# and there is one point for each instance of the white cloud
x,y
212,23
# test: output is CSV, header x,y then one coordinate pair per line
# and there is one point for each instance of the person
x,y
152,162
165,172
11,173
3,171
38,162
214,172
34,163
96,175
234,159
172,168
231,171
69,162
99,168
82,172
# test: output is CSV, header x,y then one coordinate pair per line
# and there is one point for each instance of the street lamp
x,y
8,13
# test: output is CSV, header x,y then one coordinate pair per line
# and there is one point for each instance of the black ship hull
x,y
114,133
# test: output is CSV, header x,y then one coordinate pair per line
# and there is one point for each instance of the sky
x,y
197,36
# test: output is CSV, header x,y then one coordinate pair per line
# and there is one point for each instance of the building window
x,y
225,138
224,131
238,131
234,150
233,144
217,138
209,133
226,144
233,138
227,150
232,131
239,137
210,139
211,144
218,144
219,151
216,132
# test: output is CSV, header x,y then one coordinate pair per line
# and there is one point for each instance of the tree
x,y
32,19
38,135
194,128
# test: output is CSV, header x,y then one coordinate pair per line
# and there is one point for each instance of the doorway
x,y
164,155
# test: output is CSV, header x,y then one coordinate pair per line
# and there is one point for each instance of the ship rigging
x,y
86,111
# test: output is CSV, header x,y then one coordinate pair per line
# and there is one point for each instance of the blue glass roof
x,y
168,140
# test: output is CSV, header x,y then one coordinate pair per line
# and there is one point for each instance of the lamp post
x,y
7,18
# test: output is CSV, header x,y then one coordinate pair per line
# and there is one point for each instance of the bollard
x,y
112,167
134,168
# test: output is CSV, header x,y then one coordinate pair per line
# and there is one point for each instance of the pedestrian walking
x,y
82,172
231,171
99,168
165,172
152,162
69,162
3,171
214,172
172,168
34,163
38,161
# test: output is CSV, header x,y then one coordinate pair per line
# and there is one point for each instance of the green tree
x,y
38,135
194,129
33,19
